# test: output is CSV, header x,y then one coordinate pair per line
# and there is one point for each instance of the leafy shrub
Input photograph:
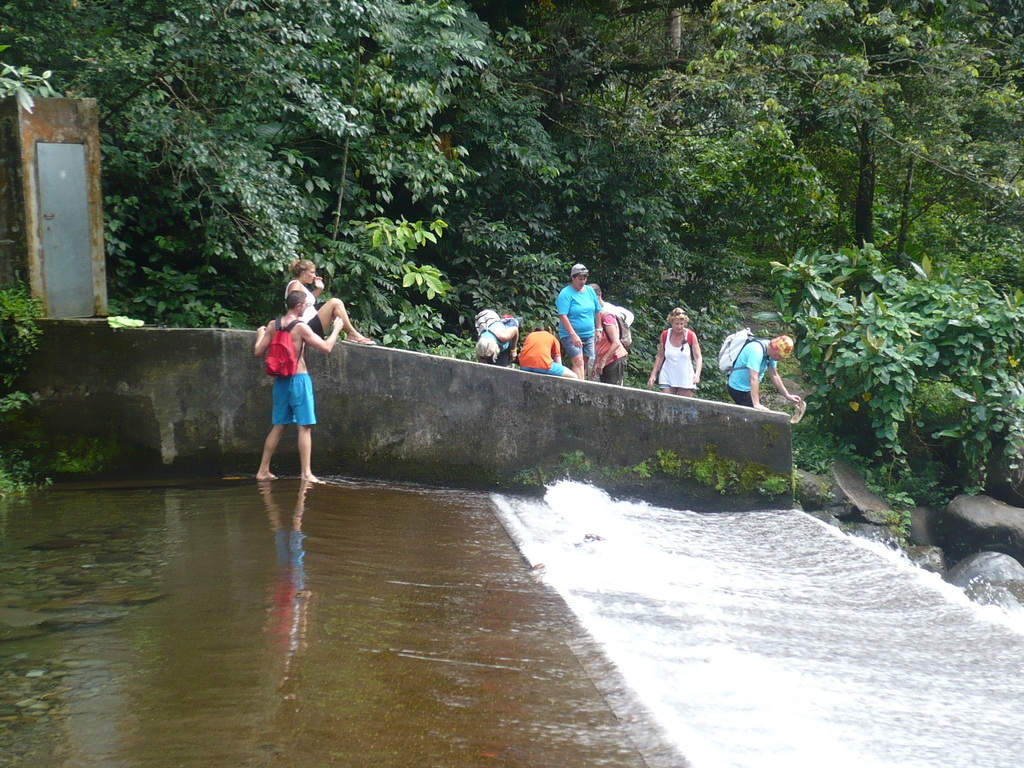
x,y
23,84
19,336
903,353
815,450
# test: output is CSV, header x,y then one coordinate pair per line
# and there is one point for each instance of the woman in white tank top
x,y
679,362
304,278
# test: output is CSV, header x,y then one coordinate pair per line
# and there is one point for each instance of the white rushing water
x,y
771,640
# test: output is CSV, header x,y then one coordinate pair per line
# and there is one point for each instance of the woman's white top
x,y
310,310
677,370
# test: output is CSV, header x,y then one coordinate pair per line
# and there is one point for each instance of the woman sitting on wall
x,y
305,278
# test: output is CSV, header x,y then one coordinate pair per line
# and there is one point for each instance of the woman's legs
x,y
333,308
677,391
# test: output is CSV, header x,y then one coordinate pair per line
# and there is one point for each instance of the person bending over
x,y
541,354
754,360
499,338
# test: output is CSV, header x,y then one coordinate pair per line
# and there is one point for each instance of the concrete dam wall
x,y
186,402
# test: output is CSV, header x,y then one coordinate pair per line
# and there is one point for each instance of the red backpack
x,y
281,357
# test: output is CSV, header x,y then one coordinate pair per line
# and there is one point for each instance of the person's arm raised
x,y
263,336
324,345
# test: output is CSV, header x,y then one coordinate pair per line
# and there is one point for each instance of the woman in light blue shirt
x,y
579,312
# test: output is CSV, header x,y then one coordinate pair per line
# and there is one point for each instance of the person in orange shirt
x,y
541,353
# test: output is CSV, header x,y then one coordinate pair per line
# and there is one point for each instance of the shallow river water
x,y
239,625
362,624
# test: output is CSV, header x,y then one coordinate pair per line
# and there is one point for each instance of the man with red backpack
x,y
293,388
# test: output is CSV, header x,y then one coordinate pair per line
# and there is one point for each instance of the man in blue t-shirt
x,y
579,317
756,358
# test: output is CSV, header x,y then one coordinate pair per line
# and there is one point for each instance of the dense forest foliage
x,y
857,163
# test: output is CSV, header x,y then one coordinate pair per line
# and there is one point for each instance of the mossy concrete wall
x,y
196,402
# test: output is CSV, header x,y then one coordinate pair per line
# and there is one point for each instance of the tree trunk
x,y
864,217
908,186
675,31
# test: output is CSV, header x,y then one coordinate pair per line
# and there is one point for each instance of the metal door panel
x,y
64,223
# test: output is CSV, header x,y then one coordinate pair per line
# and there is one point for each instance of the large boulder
x,y
988,567
1000,595
813,492
990,578
853,499
1006,478
929,558
977,523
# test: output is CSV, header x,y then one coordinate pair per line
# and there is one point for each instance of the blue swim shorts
x,y
556,369
293,400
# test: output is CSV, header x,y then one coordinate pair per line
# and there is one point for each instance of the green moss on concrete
x,y
59,454
730,477
711,470
669,463
83,456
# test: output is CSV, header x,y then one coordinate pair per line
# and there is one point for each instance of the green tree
x,y
902,108
240,135
23,84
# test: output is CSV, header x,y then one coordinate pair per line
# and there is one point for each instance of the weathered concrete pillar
x,y
51,208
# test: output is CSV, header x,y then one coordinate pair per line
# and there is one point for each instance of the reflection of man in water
x,y
287,624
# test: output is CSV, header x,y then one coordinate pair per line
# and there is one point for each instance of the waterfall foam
x,y
768,638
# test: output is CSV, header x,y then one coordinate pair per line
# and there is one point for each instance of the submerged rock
x,y
17,617
60,543
86,616
9,633
929,558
